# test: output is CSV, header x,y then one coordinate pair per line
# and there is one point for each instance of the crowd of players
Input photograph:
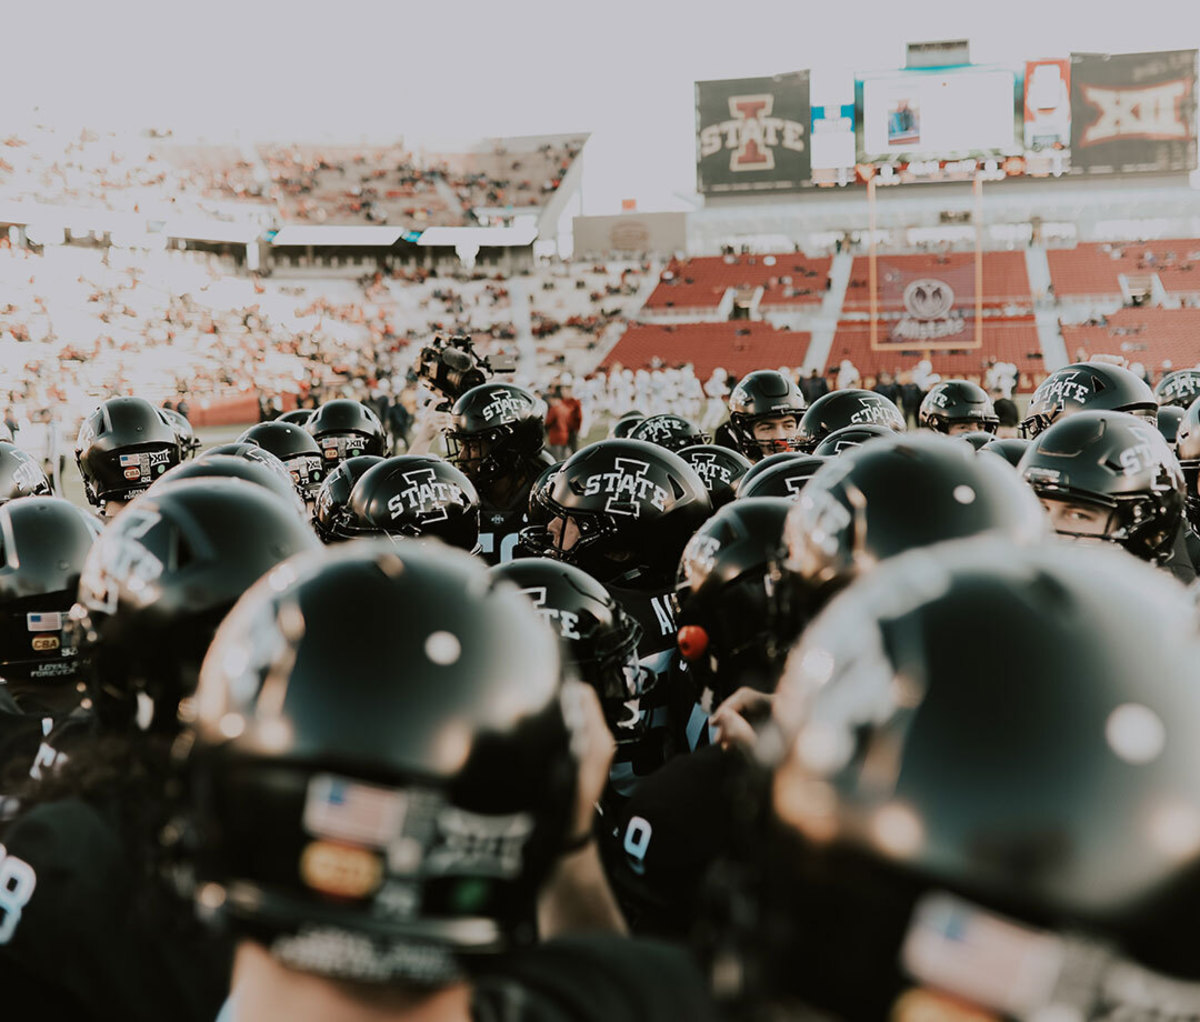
x,y
820,716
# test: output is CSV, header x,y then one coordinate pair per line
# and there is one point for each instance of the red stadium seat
x,y
1093,269
1149,336
1005,279
699,284
739,347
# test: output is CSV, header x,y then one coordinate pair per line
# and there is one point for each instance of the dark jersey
x,y
499,526
1180,563
20,735
659,844
498,532
1192,544
639,759
78,937
594,978
653,609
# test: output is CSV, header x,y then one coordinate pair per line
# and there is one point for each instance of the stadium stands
x,y
1146,335
1094,270
1005,279
738,347
700,284
288,182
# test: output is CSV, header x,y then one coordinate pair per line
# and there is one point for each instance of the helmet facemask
x,y
487,455
756,448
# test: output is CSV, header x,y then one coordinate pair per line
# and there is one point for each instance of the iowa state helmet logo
x,y
627,486
425,496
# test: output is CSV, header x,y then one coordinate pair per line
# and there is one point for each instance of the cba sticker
x,y
340,870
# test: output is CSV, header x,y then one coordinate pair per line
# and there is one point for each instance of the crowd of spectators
x,y
147,173
78,324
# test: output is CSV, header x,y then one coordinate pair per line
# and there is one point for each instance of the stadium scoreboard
x,y
1076,115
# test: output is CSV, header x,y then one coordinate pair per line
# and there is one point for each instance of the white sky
x,y
621,69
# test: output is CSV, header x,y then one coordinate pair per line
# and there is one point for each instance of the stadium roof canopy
x,y
213,231
516,236
339,237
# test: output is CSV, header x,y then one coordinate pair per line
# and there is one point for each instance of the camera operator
x,y
446,369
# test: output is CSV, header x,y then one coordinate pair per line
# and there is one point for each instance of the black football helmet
x,y
1187,449
719,468
763,394
1178,389
1120,466
539,509
1053,893
384,808
781,475
1095,386
726,578
889,496
1010,448
43,544
1168,421
346,429
185,433
334,495
957,406
598,638
273,477
20,474
669,431
850,407
122,447
497,427
635,505
297,416
295,447
158,581
625,425
978,439
850,436
415,495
